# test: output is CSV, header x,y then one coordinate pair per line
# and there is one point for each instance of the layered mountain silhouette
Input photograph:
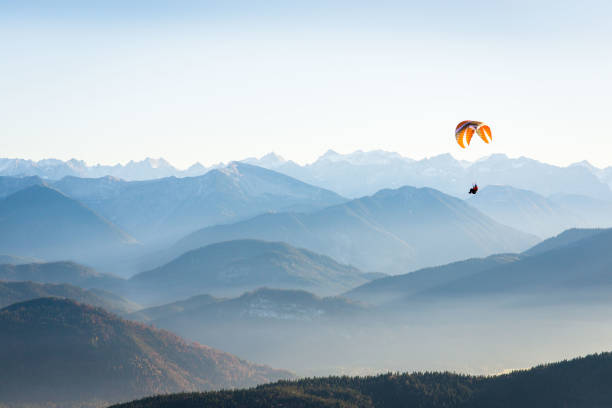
x,y
392,231
42,222
360,173
390,288
57,351
574,267
278,326
15,292
233,267
264,303
161,209
582,382
539,215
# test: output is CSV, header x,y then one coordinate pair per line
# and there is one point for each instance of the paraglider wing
x,y
465,130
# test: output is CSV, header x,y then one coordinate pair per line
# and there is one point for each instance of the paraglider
x,y
465,130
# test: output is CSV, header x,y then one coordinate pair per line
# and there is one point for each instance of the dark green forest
x,y
583,382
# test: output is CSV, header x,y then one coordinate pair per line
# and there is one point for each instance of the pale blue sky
x,y
215,81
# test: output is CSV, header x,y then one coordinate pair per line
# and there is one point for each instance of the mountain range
x,y
54,169
363,173
59,352
392,231
165,209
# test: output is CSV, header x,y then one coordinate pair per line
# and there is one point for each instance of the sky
x,y
214,81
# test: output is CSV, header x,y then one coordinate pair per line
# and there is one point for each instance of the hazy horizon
x,y
301,163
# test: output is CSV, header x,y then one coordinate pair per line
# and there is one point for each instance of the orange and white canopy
x,y
465,130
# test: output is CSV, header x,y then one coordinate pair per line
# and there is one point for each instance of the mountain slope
x,y
581,271
391,231
567,237
524,210
10,185
388,289
89,354
232,267
576,264
42,222
539,215
60,272
14,292
580,383
278,326
166,208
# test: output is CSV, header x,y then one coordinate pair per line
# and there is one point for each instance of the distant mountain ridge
x,y
59,272
54,169
392,231
90,355
576,265
363,173
171,207
233,267
42,222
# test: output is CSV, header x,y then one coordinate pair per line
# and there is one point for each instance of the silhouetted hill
x,y
391,288
60,272
580,270
172,309
580,383
14,292
233,267
391,231
567,237
10,185
166,208
42,222
58,351
264,303
576,262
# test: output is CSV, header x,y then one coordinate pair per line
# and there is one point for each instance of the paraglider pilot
x,y
474,189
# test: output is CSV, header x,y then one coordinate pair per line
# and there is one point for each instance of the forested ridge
x,y
583,382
